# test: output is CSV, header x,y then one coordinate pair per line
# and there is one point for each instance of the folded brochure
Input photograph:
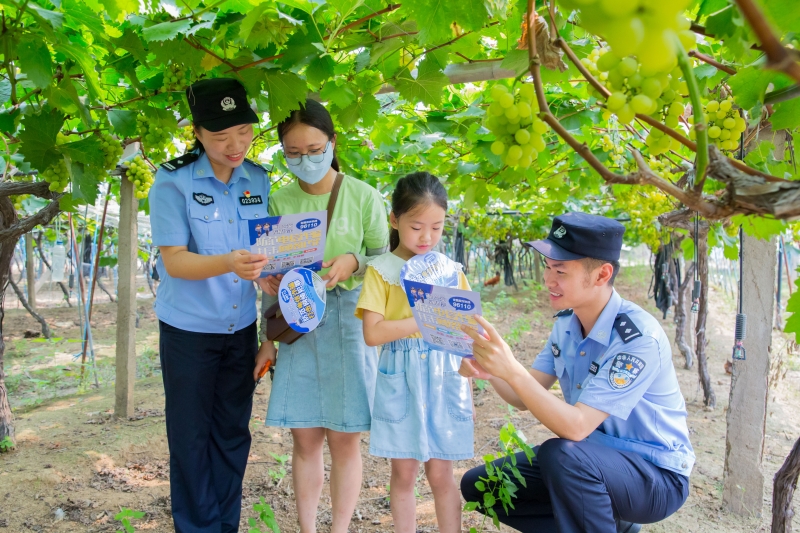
x,y
440,313
289,241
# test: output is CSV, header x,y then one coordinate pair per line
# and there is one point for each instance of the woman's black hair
x,y
418,188
311,114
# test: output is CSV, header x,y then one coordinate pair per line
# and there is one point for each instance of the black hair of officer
x,y
218,104
313,114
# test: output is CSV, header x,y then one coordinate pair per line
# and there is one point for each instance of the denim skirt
x,y
327,377
423,406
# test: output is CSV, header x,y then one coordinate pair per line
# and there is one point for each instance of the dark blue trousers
x,y
208,383
577,487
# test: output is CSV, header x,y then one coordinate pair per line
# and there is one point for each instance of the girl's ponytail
x,y
394,240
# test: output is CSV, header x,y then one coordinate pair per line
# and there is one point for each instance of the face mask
x,y
310,172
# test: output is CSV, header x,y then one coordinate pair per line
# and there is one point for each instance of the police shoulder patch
x,y
625,369
563,312
180,162
262,167
627,330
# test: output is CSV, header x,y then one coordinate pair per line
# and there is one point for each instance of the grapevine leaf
x,y
131,42
35,61
117,9
436,17
319,70
341,95
166,30
426,88
366,109
8,121
86,63
516,60
53,17
472,14
759,227
38,138
787,115
123,121
783,13
79,14
793,307
286,91
707,7
721,23
749,86
85,182
87,151
5,91
687,245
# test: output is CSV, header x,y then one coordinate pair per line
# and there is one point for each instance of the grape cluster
x,y
138,172
57,176
634,92
17,200
153,136
724,124
112,149
511,118
175,78
645,28
186,135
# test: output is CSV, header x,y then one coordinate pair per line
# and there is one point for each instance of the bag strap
x,y
334,195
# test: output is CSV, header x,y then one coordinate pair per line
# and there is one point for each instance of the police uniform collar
x,y
203,169
601,331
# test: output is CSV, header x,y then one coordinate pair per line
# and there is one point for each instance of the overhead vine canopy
x,y
620,121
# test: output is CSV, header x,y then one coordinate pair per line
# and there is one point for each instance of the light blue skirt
x,y
423,406
327,377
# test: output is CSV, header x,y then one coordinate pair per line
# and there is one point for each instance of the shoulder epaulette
x,y
563,312
262,167
627,330
180,162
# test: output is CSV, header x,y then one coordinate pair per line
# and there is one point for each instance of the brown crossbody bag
x,y
278,329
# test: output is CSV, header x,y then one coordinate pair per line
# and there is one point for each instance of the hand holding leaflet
x,y
289,241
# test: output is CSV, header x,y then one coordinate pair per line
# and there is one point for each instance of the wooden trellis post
x,y
126,301
30,270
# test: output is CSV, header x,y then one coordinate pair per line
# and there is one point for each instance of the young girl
x,y
423,408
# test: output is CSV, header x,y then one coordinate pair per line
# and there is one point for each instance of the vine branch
x,y
778,56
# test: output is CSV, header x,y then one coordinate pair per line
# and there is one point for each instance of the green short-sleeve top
x,y
359,219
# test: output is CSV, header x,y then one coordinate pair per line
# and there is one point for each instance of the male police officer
x,y
623,455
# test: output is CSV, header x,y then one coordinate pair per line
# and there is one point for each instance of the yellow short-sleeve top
x,y
381,292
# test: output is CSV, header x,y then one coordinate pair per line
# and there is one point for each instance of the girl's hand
x,y
341,268
245,264
470,368
266,354
270,284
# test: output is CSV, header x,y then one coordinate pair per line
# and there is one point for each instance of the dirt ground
x,y
75,466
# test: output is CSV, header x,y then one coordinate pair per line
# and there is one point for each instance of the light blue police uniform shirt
x,y
634,382
190,207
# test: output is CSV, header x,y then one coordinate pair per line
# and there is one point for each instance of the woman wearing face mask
x,y
206,305
324,382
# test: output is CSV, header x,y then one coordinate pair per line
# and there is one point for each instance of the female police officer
x,y
206,305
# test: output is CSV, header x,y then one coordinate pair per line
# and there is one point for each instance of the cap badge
x,y
228,104
560,232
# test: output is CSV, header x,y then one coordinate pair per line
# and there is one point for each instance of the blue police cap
x,y
219,103
578,235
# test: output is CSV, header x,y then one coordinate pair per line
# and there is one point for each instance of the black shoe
x,y
628,527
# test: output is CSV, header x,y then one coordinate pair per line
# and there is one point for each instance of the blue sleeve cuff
x,y
543,364
172,239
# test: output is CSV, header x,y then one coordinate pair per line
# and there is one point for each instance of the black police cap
x,y
219,103
579,235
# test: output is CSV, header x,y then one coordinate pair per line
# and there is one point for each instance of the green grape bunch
x,y
513,121
17,200
175,78
724,124
112,149
57,176
153,136
633,92
138,172
652,30
186,135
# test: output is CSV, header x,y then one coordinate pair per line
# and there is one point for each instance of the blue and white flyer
x,y
301,297
289,241
440,313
